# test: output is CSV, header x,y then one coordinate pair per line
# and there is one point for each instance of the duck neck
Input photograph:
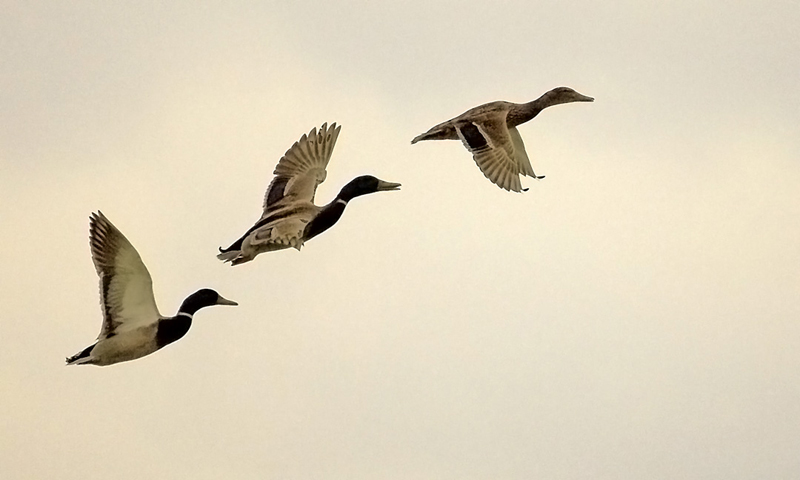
x,y
326,218
173,329
188,308
521,113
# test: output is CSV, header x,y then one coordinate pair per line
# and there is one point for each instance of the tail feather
x,y
240,259
443,131
418,138
84,356
235,257
428,136
229,255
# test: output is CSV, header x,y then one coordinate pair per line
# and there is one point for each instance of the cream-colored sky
x,y
634,315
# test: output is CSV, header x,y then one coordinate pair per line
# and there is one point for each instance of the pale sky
x,y
635,315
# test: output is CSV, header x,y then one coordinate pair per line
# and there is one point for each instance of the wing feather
x,y
520,155
126,288
302,168
496,157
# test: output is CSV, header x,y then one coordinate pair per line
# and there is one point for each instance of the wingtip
x,y
325,128
326,132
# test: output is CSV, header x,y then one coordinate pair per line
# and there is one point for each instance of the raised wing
x,y
492,149
301,168
126,289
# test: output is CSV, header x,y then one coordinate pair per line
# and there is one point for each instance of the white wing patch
x,y
485,135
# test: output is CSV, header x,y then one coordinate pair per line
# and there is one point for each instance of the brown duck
x,y
490,133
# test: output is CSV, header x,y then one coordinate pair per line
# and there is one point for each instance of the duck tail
x,y
82,357
240,259
418,138
227,256
429,135
439,132
235,257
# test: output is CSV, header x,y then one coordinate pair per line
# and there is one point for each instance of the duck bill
x,y
386,186
584,98
224,301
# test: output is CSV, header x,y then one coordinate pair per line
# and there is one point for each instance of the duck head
x,y
561,95
365,184
203,298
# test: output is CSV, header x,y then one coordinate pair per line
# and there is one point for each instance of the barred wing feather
x,y
302,168
126,288
492,149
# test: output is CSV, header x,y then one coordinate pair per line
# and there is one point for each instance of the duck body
x,y
449,130
290,217
283,229
489,132
118,348
132,327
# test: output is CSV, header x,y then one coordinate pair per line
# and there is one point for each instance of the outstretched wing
x,y
487,138
126,289
301,169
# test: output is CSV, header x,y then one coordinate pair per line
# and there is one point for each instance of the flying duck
x,y
490,133
290,216
132,326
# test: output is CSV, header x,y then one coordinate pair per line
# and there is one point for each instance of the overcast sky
x,y
636,314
